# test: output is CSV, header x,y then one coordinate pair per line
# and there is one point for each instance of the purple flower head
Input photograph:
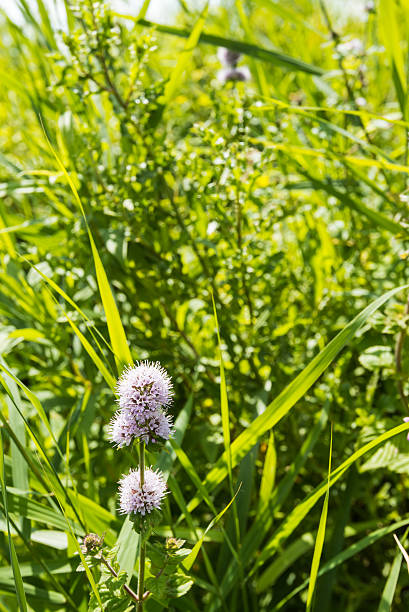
x,y
228,57
406,419
144,388
241,73
125,427
134,498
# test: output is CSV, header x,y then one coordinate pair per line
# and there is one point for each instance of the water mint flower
x,y
134,498
125,427
239,73
144,388
228,57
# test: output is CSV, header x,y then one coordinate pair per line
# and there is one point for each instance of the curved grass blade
x,y
190,559
403,551
279,407
258,531
168,455
185,56
297,515
109,379
116,331
273,57
71,302
31,397
390,586
345,555
319,542
224,403
18,582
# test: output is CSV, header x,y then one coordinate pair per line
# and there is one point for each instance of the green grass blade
x,y
345,555
388,593
283,561
168,455
391,37
109,379
71,302
115,328
31,397
319,542
19,466
291,394
190,559
224,403
18,582
185,56
258,531
297,515
273,57
268,476
20,505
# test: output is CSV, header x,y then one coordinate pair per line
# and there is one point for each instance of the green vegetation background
x,y
284,197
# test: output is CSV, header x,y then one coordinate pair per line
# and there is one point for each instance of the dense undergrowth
x,y
127,163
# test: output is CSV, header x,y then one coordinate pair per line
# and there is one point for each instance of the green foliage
x,y
134,186
168,579
110,586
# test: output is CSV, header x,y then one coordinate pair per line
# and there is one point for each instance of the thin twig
x,y
126,588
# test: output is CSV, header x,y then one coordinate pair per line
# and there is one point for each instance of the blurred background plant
x,y
283,196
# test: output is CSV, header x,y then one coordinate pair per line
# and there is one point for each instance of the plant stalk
x,y
142,543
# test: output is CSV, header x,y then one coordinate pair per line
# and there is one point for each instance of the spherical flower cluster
x,y
144,387
231,72
144,393
228,57
136,498
125,427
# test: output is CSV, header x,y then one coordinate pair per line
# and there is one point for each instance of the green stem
x,y
142,543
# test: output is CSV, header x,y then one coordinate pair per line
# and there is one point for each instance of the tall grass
x,y
253,238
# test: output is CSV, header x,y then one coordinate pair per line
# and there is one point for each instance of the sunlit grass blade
x,y
109,379
291,394
115,328
180,500
94,331
284,560
268,476
259,529
31,397
185,56
20,505
346,554
388,592
19,466
341,518
319,542
190,559
295,517
389,29
267,55
224,403
168,455
21,596
402,550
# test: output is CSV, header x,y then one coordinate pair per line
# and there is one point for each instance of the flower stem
x,y
142,543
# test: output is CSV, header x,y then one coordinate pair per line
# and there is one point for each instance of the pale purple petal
x,y
136,499
125,427
144,388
